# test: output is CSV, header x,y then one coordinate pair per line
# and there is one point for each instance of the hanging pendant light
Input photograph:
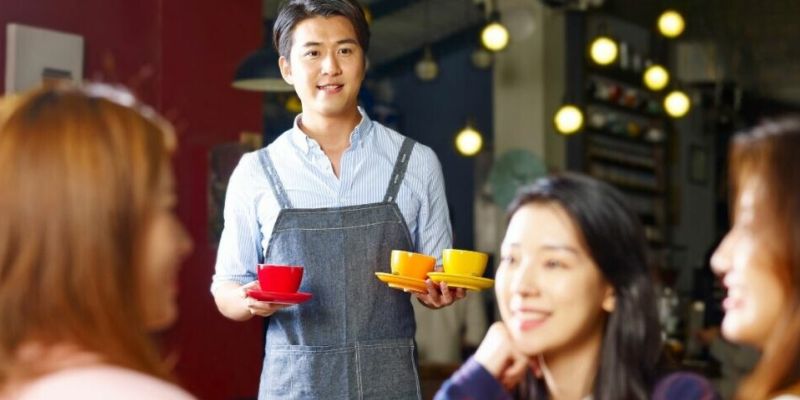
x,y
427,69
469,141
671,24
494,36
677,104
656,77
568,119
603,50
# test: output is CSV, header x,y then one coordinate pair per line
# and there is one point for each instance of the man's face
x,y
325,66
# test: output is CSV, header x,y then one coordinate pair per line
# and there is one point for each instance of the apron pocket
x,y
388,370
307,372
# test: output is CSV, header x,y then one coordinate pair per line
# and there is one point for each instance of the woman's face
x,y
755,294
166,245
551,294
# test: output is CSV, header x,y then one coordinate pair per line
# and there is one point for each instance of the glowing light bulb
x,y
469,141
568,119
656,77
671,24
677,104
494,36
603,50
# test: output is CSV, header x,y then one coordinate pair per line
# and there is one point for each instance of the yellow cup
x,y
464,262
412,265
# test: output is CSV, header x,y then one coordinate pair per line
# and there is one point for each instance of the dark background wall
x,y
434,112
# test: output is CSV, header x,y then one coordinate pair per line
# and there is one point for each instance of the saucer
x,y
279,297
402,282
462,281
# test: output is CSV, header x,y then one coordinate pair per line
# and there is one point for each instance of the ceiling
x,y
403,27
757,43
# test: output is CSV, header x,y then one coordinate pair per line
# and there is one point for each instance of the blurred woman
x,y
759,259
577,302
89,246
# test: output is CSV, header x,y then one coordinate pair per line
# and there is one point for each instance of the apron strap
x,y
399,170
274,179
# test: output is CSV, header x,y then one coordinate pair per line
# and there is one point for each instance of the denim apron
x,y
354,338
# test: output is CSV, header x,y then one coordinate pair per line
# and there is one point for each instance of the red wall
x,y
180,55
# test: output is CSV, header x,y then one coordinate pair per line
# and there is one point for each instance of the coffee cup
x,y
412,265
279,278
464,262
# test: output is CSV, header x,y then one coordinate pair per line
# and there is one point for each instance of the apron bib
x,y
354,338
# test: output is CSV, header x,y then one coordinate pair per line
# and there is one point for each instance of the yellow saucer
x,y
463,281
402,282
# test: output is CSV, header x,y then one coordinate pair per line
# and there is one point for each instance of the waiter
x,y
335,194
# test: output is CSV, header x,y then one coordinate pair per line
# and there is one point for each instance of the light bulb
x,y
603,50
481,58
568,119
469,141
494,36
671,24
426,68
677,104
656,77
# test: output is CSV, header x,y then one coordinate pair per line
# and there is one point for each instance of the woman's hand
x,y
497,354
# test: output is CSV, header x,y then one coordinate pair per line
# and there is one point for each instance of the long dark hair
x,y
769,153
614,239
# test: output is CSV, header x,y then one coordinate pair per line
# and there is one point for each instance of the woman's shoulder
x,y
101,382
684,385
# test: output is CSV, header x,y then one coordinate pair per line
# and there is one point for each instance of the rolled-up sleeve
x,y
240,245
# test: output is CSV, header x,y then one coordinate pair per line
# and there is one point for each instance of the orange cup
x,y
412,265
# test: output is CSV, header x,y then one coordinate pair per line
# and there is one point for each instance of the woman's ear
x,y
609,300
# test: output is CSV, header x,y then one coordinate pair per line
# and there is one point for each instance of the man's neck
x,y
332,133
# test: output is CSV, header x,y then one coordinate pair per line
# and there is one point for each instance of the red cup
x,y
279,278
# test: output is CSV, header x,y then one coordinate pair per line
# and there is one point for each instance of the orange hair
x,y
770,154
79,168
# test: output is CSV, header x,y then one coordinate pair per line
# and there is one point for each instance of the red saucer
x,y
279,297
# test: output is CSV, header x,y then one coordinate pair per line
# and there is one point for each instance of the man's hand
x,y
439,296
260,308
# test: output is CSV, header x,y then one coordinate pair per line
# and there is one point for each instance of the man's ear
x,y
609,300
286,70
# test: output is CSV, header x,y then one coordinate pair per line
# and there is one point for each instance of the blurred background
x,y
642,94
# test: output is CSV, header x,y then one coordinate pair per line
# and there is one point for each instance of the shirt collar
x,y
307,144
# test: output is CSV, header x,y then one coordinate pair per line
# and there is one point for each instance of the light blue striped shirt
x,y
308,179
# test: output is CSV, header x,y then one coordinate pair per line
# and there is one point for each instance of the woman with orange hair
x,y
89,246
759,258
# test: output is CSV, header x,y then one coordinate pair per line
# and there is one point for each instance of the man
x,y
335,194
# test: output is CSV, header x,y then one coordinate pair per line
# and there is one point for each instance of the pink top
x,y
99,382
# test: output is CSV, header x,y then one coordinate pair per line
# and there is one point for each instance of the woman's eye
x,y
508,260
552,264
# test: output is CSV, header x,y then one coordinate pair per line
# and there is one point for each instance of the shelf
x,y
630,139
639,113
624,159
625,77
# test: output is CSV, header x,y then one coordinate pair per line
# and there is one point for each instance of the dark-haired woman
x,y
577,304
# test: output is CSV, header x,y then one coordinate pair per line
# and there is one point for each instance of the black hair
x,y
614,239
292,12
